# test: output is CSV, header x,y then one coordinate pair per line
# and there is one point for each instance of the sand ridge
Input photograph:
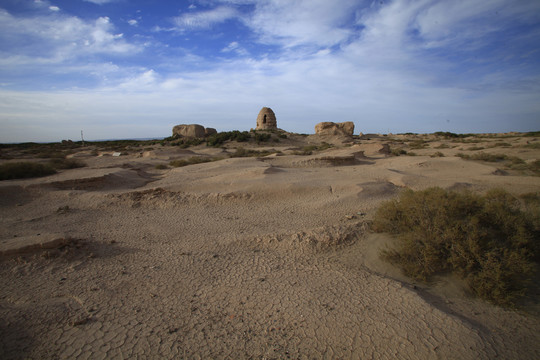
x,y
259,258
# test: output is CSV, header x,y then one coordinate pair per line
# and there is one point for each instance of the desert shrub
x,y
447,134
309,149
192,160
218,139
500,144
418,144
60,163
511,162
22,170
51,155
398,152
186,142
437,154
487,240
476,148
241,152
442,146
282,136
262,137
161,167
534,145
482,156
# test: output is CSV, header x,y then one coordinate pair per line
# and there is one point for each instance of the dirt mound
x,y
124,179
161,198
317,239
372,189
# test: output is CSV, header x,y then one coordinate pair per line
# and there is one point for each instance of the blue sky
x,y
134,69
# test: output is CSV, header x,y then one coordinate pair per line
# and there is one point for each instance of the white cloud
x,y
58,38
133,22
302,92
54,8
475,19
141,82
303,22
100,2
383,76
235,47
205,19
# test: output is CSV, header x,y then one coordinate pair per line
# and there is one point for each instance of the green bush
x,y
185,143
218,139
22,170
486,240
262,137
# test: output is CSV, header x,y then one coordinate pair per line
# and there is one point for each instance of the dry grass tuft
x,y
487,240
24,169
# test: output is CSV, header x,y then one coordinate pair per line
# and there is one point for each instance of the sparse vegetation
x,y
161,167
534,145
511,162
437,154
418,144
398,152
185,143
25,169
61,163
442,146
501,144
262,137
241,152
192,160
218,139
487,240
309,149
482,156
451,135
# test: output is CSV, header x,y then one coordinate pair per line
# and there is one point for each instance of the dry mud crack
x,y
205,263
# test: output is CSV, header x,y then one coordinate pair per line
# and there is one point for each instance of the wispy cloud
x,y
100,2
402,65
60,37
205,19
236,48
303,22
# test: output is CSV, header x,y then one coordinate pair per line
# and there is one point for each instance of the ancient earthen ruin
x,y
266,119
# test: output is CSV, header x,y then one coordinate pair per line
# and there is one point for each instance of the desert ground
x,y
268,256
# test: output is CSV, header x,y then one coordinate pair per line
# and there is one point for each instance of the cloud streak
x,y
204,19
395,66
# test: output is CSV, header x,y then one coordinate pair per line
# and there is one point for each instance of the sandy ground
x,y
262,258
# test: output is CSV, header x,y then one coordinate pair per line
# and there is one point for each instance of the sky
x,y
120,69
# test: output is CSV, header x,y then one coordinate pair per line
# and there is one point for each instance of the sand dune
x,y
260,257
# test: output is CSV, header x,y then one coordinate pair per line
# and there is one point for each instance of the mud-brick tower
x,y
266,119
